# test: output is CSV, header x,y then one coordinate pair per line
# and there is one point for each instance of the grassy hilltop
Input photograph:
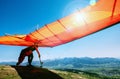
x,y
23,72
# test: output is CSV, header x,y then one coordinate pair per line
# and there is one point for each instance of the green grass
x,y
80,74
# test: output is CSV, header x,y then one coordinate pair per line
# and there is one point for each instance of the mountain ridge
x,y
76,62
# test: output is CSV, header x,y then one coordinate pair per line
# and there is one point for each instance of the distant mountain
x,y
7,63
11,63
84,62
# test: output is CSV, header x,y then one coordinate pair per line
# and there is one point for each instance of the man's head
x,y
36,44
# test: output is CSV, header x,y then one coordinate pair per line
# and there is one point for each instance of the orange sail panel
x,y
77,25
17,40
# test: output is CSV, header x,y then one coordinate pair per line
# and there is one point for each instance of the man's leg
x,y
20,59
30,58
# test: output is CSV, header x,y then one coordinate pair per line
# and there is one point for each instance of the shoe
x,y
29,65
17,64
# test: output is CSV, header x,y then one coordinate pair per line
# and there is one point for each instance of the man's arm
x,y
37,51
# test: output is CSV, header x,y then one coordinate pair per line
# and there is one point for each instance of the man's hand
x,y
39,55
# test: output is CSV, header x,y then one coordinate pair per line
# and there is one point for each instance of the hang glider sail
x,y
77,25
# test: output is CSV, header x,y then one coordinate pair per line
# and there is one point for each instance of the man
x,y
28,52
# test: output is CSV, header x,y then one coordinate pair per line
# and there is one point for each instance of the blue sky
x,y
24,16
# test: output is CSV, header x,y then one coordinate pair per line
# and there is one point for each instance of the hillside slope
x,y
23,72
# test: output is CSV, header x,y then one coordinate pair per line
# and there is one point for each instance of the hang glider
x,y
77,25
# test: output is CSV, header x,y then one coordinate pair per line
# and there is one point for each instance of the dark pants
x,y
30,58
22,57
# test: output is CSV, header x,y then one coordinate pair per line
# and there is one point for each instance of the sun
x,y
93,2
